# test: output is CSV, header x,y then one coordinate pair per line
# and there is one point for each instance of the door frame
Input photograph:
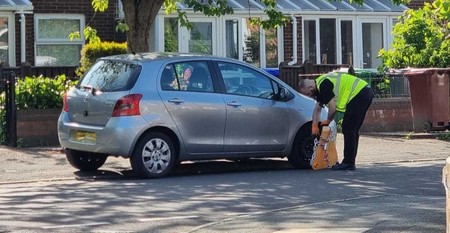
x,y
358,62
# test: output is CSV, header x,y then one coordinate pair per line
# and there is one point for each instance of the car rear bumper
x,y
117,137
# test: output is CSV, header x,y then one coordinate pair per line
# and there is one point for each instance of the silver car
x,y
159,109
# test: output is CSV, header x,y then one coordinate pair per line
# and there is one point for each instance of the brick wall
x,y
415,4
104,22
37,127
288,45
388,115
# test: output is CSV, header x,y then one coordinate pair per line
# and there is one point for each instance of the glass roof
x,y
320,5
16,4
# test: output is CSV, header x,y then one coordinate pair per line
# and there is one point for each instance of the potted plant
x,y
421,41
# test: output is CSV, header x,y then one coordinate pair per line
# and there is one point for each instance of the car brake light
x,y
127,106
65,103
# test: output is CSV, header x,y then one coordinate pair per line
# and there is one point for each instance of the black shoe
x,y
343,167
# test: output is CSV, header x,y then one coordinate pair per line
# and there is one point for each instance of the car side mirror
x,y
282,93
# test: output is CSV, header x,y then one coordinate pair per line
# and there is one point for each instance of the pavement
x,y
411,135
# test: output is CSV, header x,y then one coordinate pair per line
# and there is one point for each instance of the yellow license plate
x,y
83,136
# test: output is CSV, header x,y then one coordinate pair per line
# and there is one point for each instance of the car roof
x,y
152,56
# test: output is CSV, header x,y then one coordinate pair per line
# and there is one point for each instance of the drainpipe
x,y
22,37
294,40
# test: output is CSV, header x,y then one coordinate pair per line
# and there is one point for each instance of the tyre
x,y
302,149
85,161
427,126
154,156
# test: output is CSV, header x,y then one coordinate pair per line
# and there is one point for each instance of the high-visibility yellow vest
x,y
346,87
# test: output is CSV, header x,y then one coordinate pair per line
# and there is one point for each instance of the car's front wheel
x,y
154,156
85,161
302,149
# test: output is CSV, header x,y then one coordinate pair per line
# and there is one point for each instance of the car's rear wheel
x,y
302,149
85,161
154,156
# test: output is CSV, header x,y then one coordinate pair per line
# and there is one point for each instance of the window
x,y
327,41
168,79
4,41
170,35
241,80
232,39
110,76
271,48
347,42
187,76
53,46
310,40
200,38
252,43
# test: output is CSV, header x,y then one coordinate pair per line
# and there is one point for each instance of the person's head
x,y
307,87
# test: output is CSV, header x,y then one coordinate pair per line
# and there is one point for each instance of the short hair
x,y
301,83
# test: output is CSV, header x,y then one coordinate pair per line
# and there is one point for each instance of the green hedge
x,y
91,52
41,92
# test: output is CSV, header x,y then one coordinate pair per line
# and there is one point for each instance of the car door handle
x,y
176,100
234,104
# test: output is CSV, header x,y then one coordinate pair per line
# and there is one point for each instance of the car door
x,y
198,112
255,121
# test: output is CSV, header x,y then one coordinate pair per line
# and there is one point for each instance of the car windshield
x,y
109,76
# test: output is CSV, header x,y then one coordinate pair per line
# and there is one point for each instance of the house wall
x,y
415,4
288,41
104,22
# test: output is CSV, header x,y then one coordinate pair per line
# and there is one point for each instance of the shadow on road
x,y
194,168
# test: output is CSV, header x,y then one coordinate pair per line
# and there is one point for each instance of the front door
x,y
372,38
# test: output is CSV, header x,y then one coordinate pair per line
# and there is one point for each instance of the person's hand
x,y
325,123
315,130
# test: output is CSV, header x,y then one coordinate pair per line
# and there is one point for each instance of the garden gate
x,y
7,105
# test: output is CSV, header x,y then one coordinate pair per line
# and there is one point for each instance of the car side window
x,y
241,80
167,78
190,76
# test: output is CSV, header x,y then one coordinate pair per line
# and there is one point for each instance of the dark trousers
x,y
353,118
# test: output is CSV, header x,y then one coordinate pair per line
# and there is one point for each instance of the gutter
x,y
23,37
294,41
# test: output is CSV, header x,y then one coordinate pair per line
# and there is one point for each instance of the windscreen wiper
x,y
89,88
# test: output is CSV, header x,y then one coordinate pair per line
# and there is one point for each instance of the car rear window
x,y
109,76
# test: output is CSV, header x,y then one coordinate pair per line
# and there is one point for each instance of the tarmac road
x,y
19,165
396,188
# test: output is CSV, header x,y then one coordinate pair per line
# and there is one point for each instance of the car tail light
x,y
127,106
65,103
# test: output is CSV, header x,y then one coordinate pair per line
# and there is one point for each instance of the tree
x,y
421,38
139,15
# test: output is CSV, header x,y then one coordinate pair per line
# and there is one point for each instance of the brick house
x,y
42,27
320,31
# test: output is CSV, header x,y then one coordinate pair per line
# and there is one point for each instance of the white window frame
x,y
184,33
41,41
221,38
280,47
357,20
11,38
337,34
339,39
218,35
